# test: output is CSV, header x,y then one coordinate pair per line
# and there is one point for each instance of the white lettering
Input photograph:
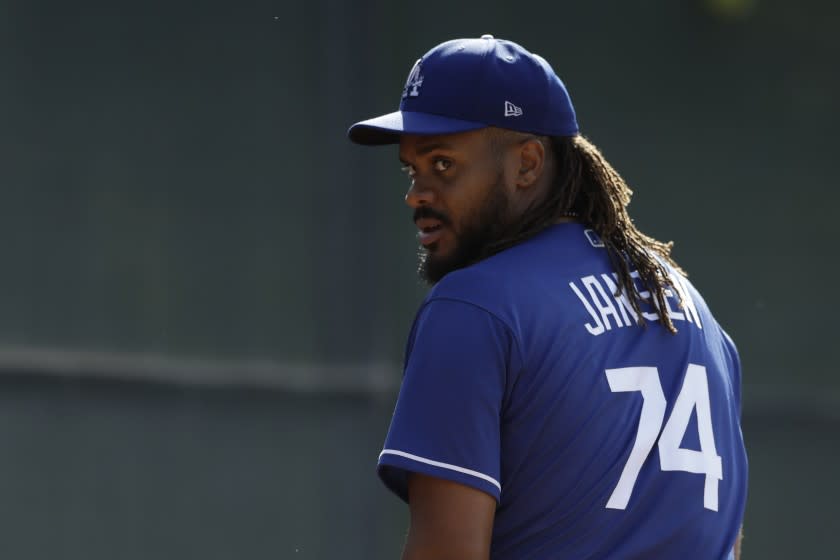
x,y
671,313
606,308
686,303
645,295
596,330
610,309
621,301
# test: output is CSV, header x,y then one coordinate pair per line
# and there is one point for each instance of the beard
x,y
480,230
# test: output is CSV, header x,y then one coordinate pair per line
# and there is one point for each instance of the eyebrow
x,y
423,150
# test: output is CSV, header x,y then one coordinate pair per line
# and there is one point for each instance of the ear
x,y
531,163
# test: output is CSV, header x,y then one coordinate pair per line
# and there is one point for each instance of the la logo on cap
x,y
414,81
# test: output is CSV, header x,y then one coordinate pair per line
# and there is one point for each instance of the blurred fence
x,y
206,289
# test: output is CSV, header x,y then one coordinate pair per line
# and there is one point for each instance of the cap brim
x,y
388,128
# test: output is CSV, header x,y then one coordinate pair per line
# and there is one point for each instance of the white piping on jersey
x,y
455,468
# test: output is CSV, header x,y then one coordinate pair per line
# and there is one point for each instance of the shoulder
x,y
456,329
477,298
485,285
502,266
473,291
512,276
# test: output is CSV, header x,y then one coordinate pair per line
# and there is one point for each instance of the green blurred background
x,y
205,288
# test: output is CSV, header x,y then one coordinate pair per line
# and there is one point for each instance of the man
x,y
567,392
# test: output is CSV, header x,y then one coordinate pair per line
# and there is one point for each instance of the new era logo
x,y
512,110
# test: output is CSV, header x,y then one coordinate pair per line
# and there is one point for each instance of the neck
x,y
566,217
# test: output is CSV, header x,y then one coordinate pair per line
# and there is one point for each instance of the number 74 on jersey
x,y
672,457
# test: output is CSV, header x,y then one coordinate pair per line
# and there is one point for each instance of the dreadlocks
x,y
587,186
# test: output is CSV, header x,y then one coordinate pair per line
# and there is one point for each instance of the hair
x,y
587,186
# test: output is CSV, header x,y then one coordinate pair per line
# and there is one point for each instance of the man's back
x,y
599,438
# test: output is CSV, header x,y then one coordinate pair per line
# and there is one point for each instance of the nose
x,y
418,195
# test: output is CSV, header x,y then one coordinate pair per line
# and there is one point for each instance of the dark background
x,y
205,288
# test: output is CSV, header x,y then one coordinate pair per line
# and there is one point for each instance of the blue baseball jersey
x,y
528,378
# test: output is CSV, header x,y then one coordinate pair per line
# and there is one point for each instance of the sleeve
x,y
447,419
735,364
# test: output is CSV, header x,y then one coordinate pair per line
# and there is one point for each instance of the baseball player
x,y
567,393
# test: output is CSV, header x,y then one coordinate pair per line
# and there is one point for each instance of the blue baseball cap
x,y
467,84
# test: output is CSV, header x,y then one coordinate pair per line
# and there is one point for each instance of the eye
x,y
442,165
409,170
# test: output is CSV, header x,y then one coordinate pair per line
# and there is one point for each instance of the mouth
x,y
430,230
